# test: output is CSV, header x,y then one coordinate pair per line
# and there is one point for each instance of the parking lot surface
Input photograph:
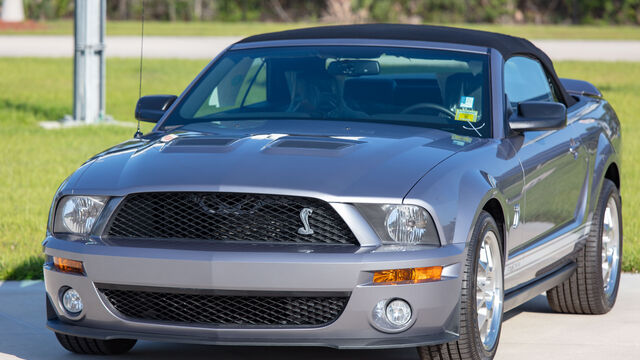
x,y
206,47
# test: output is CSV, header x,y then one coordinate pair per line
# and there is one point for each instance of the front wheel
x,y
482,298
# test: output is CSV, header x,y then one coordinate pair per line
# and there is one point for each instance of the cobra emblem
x,y
304,216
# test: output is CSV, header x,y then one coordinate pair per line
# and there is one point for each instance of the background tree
x,y
349,11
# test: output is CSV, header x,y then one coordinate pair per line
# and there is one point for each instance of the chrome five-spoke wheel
x,y
489,290
610,246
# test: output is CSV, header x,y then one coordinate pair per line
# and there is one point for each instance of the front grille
x,y
199,309
230,217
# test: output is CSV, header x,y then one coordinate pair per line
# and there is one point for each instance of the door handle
x,y
574,145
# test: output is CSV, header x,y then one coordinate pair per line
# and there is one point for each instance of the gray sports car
x,y
364,186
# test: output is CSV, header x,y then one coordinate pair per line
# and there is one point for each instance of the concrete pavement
x,y
591,50
202,47
529,332
179,47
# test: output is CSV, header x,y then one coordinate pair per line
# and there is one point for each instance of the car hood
x,y
325,159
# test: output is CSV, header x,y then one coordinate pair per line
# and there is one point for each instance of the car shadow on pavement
x,y
158,351
538,304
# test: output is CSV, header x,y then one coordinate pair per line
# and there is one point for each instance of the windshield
x,y
439,89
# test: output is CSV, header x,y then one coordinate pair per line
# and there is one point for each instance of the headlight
x,y
401,224
77,214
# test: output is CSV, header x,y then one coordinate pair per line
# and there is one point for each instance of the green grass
x,y
619,84
35,161
65,27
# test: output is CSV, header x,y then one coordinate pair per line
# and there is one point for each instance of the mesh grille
x,y
228,217
226,310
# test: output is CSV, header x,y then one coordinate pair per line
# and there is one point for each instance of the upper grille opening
x,y
228,217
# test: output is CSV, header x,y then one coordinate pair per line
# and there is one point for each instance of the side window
x,y
525,80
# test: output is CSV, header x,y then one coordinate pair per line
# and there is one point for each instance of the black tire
x,y
469,345
81,345
583,292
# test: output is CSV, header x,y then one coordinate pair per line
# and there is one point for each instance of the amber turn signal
x,y
68,266
407,276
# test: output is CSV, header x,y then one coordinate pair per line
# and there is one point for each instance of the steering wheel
x,y
440,108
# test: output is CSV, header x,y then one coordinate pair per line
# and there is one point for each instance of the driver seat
x,y
463,84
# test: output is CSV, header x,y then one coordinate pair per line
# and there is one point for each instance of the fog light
x,y
398,312
72,301
392,316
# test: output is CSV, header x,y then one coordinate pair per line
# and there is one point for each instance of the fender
x,y
604,148
456,190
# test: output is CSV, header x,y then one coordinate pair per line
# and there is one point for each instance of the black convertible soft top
x,y
507,45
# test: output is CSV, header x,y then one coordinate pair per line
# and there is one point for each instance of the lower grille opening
x,y
226,310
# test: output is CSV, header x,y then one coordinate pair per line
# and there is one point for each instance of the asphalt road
x,y
529,332
193,47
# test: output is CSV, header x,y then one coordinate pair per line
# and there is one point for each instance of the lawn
x,y
36,161
65,27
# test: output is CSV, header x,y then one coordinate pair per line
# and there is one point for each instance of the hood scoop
x,y
199,144
311,146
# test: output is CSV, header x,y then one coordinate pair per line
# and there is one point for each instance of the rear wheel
x,y
81,345
593,288
481,301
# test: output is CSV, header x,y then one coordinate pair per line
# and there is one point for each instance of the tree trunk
x,y
197,10
171,9
123,10
575,12
210,10
277,7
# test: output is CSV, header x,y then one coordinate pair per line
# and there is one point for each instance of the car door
x,y
554,162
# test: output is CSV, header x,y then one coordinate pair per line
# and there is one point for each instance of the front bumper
x,y
272,269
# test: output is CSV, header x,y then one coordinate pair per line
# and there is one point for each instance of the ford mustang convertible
x,y
361,186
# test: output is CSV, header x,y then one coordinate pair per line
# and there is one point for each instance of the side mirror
x,y
539,115
151,108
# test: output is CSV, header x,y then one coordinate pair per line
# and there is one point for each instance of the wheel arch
x,y
494,208
606,166
497,205
613,174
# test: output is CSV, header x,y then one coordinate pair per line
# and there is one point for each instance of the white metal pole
x,y
12,11
89,61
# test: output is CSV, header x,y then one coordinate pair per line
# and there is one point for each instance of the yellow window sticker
x,y
460,140
466,115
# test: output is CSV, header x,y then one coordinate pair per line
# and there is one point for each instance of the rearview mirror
x,y
539,115
151,108
354,67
